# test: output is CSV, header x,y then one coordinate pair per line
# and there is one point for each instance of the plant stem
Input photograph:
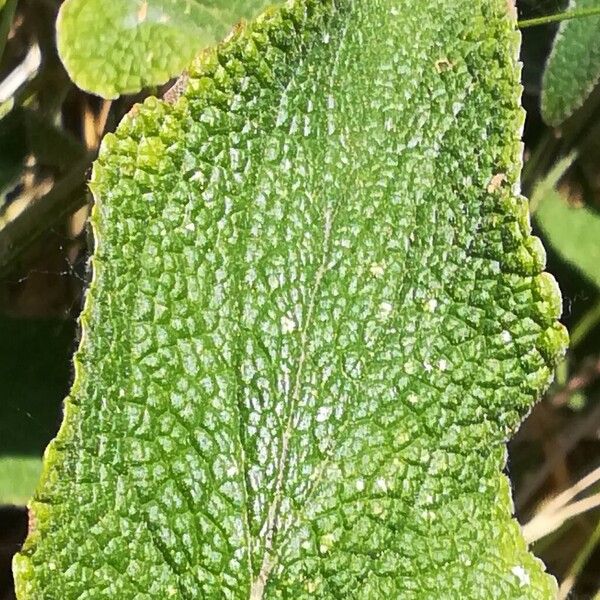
x,y
564,16
579,563
589,320
544,523
21,73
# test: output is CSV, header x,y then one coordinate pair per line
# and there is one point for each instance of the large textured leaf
x,y
573,68
118,47
316,317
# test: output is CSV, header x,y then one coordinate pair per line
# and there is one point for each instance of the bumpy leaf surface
x,y
573,68
317,314
113,48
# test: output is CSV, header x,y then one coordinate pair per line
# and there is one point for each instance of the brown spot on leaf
x,y
174,92
142,11
495,182
135,109
442,64
235,31
512,9
31,522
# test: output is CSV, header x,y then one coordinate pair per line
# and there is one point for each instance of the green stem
x,y
564,16
585,325
579,562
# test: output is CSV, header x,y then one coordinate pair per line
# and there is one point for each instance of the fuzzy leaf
x,y
316,317
113,48
573,231
573,68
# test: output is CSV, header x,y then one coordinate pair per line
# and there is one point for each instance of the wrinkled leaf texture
x,y
317,315
114,48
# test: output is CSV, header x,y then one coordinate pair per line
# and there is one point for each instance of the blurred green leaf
x,y
6,107
573,68
35,371
113,48
18,477
573,231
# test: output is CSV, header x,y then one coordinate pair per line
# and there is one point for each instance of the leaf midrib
x,y
269,561
258,584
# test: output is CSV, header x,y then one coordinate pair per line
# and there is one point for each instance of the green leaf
x,y
317,315
18,478
35,373
573,231
573,68
113,48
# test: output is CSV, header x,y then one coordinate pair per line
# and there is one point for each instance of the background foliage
x,y
49,133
